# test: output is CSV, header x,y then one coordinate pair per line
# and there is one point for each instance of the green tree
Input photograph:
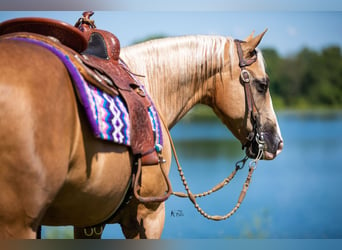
x,y
308,79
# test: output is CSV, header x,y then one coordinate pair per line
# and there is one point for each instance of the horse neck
x,y
179,72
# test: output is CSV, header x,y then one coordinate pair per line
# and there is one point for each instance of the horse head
x,y
242,99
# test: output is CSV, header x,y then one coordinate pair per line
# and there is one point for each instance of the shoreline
x,y
203,113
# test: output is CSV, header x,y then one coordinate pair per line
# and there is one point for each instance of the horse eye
x,y
261,86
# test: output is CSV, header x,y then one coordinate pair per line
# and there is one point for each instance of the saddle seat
x,y
96,54
67,34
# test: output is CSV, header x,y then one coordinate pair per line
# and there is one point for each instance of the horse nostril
x,y
280,147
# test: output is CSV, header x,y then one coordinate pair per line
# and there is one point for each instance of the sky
x,y
174,5
291,27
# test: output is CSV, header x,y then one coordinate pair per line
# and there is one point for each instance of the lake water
x,y
297,195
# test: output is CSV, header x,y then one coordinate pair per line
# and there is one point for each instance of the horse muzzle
x,y
271,155
270,145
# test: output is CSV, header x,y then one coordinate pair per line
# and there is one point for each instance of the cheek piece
x,y
256,135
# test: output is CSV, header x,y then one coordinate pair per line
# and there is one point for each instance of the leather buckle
x,y
245,76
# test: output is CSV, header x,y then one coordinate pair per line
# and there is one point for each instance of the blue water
x,y
297,195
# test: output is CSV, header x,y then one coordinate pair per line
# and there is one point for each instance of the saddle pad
x,y
108,115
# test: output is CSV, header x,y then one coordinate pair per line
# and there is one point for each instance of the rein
x,y
192,197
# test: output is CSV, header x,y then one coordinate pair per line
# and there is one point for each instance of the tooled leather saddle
x,y
95,53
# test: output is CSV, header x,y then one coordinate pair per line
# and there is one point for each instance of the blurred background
x,y
297,195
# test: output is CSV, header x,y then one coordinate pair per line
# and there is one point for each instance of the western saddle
x,y
96,54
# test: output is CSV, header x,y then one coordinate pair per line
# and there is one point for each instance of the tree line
x,y
308,79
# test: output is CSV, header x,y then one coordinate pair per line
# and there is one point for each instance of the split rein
x,y
238,166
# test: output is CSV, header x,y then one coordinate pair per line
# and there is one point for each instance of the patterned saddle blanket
x,y
109,116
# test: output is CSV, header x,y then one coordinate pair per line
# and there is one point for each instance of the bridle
x,y
252,113
255,135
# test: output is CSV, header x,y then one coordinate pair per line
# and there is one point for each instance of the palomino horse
x,y
54,172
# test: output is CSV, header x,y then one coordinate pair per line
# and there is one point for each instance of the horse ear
x,y
256,40
250,37
251,43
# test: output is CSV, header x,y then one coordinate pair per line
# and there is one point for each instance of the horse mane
x,y
176,61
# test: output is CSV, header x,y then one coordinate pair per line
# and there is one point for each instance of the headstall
x,y
246,78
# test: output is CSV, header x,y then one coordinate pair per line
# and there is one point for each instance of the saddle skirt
x,y
116,104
